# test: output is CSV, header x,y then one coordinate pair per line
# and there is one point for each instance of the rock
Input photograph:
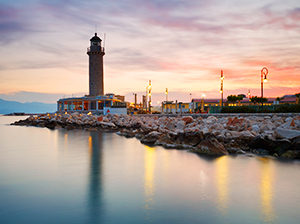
x,y
40,124
260,151
211,147
205,131
291,154
232,147
279,147
51,125
192,138
151,138
128,133
267,127
211,119
164,140
286,133
187,119
246,135
260,142
69,127
235,134
180,125
107,124
255,128
235,121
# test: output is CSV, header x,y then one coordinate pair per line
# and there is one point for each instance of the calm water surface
x,y
59,176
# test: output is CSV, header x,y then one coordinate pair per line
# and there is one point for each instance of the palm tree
x,y
240,98
279,99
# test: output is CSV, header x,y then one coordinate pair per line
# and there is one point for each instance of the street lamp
x,y
149,88
167,94
263,73
221,89
202,102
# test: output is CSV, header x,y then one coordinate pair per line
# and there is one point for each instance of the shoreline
x,y
277,135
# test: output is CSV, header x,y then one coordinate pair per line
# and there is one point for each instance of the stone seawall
x,y
278,136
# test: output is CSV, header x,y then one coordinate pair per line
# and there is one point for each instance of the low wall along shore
x,y
265,135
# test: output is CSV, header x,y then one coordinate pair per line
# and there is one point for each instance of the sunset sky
x,y
179,45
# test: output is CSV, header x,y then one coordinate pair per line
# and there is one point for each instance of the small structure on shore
x,y
96,101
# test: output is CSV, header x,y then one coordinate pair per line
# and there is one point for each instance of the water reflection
x,y
203,183
95,174
149,184
222,183
266,190
66,140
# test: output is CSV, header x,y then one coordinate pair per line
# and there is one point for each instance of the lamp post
x,y
149,88
167,94
263,73
146,98
202,102
221,89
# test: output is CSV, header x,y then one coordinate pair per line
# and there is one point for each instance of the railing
x,y
95,49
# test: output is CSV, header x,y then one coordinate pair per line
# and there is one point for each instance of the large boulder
x,y
211,147
192,138
151,137
51,125
233,147
291,154
286,133
260,142
267,127
279,147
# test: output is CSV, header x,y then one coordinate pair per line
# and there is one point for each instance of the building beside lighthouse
x,y
96,101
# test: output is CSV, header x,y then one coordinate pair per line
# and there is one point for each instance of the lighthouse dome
x,y
95,38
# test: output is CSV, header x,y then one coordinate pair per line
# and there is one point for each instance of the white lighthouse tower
x,y
96,53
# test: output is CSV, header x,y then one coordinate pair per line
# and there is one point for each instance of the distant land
x,y
7,107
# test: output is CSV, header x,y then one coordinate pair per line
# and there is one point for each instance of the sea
x,y
77,176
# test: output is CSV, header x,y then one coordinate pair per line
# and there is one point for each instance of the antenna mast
x,y
104,40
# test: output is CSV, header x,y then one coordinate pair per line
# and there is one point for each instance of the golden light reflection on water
x,y
90,145
66,140
149,185
222,183
266,190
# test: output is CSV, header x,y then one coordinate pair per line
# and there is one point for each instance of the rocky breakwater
x,y
277,136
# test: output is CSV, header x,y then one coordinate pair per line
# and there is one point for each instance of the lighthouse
x,y
96,53
96,101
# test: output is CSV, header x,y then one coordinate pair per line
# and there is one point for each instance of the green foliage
x,y
279,98
242,109
232,98
255,99
288,108
298,97
240,97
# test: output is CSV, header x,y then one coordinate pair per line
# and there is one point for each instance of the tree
x,y
279,99
240,97
232,98
256,99
297,97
